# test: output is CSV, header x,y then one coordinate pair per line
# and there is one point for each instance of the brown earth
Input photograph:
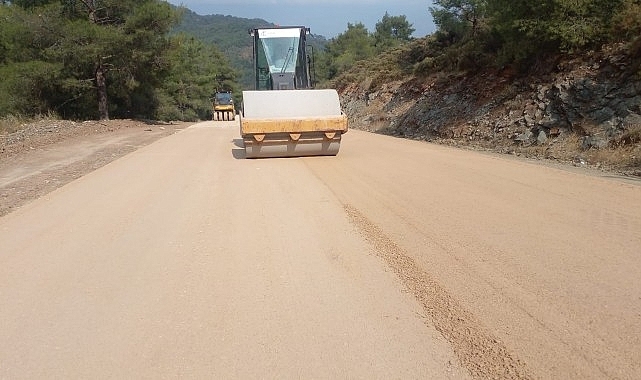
x,y
175,261
395,259
47,154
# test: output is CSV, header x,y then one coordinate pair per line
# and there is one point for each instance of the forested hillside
x,y
229,34
102,59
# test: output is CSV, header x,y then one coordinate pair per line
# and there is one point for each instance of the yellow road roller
x,y
223,107
284,116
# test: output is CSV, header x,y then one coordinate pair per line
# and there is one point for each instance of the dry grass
x,y
611,157
13,123
631,137
623,155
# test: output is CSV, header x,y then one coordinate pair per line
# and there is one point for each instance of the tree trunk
x,y
101,87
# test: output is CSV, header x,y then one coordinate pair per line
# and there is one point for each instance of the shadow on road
x,y
239,151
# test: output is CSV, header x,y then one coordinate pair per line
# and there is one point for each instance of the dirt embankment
x,y
47,154
584,111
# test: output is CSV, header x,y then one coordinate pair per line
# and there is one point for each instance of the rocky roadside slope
x,y
586,111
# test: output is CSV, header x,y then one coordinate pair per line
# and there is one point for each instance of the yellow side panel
x,y
223,107
316,124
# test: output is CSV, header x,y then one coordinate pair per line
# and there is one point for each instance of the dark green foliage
x,y
479,34
342,52
26,88
626,23
530,29
391,31
147,71
199,71
459,19
14,36
104,58
357,44
31,3
230,35
524,31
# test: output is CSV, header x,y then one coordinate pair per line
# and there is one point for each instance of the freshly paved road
x,y
395,259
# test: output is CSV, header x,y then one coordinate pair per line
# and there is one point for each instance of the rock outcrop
x,y
585,110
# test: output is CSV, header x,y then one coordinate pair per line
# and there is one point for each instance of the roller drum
x,y
292,123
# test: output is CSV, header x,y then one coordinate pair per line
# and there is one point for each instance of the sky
x,y
325,17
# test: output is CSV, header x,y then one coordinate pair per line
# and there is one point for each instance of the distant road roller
x,y
284,116
223,107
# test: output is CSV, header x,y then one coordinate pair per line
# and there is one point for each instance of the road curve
x,y
394,259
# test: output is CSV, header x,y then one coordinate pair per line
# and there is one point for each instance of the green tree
x,y
13,36
26,87
347,48
27,78
391,31
30,3
120,46
103,56
458,19
199,70
530,28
